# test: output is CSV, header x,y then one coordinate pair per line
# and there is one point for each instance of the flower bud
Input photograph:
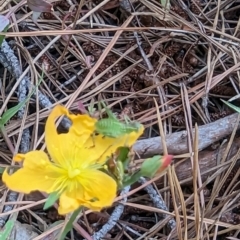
x,y
154,165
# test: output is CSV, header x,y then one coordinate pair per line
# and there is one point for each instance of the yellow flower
x,y
74,170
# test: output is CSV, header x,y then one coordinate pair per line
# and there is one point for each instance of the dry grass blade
x,y
104,54
196,171
218,183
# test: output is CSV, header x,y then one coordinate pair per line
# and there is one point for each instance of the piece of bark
x,y
177,142
207,160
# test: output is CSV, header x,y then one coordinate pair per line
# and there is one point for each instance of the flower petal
x,y
81,124
103,146
67,204
60,146
99,189
96,191
37,173
166,162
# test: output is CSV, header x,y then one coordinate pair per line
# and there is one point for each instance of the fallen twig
x,y
207,162
158,202
9,60
115,216
177,142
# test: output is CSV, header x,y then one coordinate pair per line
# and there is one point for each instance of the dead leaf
x,y
40,6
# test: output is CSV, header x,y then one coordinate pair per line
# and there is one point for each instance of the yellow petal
x,y
95,191
67,204
99,189
37,174
82,124
60,146
105,146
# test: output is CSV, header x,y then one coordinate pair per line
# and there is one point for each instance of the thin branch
x,y
158,202
113,218
177,142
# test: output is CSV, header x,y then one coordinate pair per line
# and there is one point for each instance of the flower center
x,y
73,173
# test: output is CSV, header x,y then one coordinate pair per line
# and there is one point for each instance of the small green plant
x,y
68,227
4,235
12,111
237,109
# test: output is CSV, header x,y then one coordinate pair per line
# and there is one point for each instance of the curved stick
x,y
177,142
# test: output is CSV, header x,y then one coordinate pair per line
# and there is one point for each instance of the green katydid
x,y
114,128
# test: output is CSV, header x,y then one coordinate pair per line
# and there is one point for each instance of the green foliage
x,y
12,111
148,169
69,224
52,198
118,164
2,37
2,169
118,167
123,156
129,180
237,109
150,166
7,230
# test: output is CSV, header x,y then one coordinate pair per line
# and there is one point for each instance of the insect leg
x,y
126,119
99,109
108,111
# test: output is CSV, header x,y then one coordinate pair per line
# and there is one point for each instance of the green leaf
x,y
52,198
150,166
2,37
2,169
237,109
123,156
7,230
52,225
69,224
12,111
148,169
129,180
